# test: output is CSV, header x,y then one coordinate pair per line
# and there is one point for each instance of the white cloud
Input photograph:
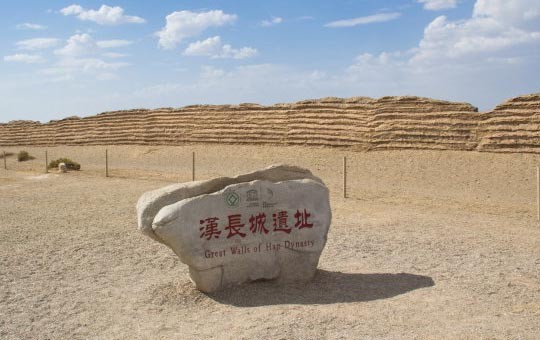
x,y
106,76
271,22
37,44
382,17
243,53
92,64
184,24
214,48
30,26
436,5
113,43
78,45
259,83
517,13
84,44
69,68
105,15
472,40
486,56
82,55
483,59
24,58
72,10
208,47
115,55
496,31
211,72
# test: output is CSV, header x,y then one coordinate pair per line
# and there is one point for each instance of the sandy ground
x,y
440,245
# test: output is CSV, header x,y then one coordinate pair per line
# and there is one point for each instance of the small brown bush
x,y
24,156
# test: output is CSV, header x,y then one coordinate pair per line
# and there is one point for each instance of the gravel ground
x,y
440,245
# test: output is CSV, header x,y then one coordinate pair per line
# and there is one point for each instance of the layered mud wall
x,y
354,123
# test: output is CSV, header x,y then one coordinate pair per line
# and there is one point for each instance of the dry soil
x,y
439,245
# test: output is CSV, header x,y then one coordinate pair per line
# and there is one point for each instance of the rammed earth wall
x,y
353,123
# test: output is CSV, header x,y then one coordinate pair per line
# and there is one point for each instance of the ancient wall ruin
x,y
356,123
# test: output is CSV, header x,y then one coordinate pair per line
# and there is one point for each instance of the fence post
x,y
5,164
193,166
106,163
344,176
46,162
538,192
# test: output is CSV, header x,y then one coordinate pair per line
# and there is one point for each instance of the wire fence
x,y
481,181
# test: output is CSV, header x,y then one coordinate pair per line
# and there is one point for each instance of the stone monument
x,y
270,224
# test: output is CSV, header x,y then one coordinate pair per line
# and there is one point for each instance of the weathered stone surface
x,y
249,231
269,224
151,202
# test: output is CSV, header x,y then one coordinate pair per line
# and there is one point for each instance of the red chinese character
x,y
235,224
210,229
280,222
256,223
302,220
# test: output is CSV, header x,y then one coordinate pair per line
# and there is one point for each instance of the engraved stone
x,y
247,231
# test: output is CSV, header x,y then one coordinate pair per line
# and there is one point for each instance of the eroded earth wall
x,y
355,123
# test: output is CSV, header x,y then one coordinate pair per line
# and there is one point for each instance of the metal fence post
x,y
193,166
106,163
344,176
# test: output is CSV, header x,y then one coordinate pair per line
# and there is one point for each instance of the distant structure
x,y
357,123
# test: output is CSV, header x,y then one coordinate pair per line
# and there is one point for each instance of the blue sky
x,y
64,58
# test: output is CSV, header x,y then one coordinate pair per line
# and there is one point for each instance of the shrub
x,y
23,156
71,165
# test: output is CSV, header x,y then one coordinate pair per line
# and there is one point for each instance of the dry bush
x,y
24,156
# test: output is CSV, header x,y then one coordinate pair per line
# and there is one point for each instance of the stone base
x,y
301,267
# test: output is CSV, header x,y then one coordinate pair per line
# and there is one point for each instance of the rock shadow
x,y
325,288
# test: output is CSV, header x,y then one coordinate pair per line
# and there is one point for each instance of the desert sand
x,y
429,244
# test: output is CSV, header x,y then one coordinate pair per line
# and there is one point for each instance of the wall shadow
x,y
326,288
